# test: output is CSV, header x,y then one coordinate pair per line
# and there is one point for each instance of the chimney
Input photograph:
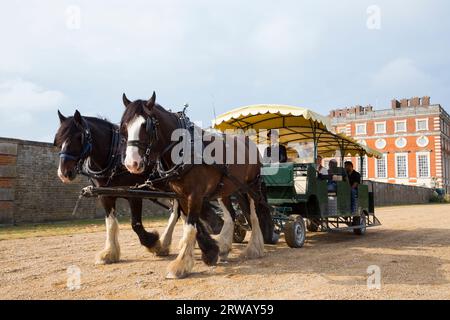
x,y
415,102
395,104
404,103
426,101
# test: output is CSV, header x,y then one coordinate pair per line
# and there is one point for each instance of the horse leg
x,y
111,253
208,246
184,263
225,238
150,240
166,238
255,247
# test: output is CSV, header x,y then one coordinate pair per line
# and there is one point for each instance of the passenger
x,y
354,178
282,153
332,170
321,170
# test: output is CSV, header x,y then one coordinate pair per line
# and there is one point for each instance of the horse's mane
x,y
68,128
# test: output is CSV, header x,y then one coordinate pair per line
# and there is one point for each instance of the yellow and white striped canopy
x,y
295,125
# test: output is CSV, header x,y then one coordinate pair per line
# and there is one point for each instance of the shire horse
x,y
148,128
93,147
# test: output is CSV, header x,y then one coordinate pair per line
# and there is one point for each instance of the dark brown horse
x,y
148,128
93,147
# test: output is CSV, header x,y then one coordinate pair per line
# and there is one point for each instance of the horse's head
x,y
138,126
74,140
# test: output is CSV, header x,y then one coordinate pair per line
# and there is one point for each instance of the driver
x,y
282,153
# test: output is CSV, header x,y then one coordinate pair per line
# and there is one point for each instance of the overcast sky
x,y
216,55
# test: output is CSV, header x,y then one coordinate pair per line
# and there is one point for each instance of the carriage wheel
x,y
360,221
295,232
312,225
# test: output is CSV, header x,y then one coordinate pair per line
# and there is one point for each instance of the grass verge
x,y
50,229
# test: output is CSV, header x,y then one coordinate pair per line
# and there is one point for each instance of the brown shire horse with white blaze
x,y
149,128
93,147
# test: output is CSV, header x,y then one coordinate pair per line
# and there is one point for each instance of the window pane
x,y
424,170
363,170
380,127
360,129
400,126
401,166
381,167
421,124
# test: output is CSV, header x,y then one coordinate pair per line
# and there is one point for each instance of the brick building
x,y
413,135
30,190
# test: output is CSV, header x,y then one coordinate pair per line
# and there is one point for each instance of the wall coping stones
x,y
7,148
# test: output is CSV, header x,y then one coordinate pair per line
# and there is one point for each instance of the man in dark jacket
x,y
354,178
282,153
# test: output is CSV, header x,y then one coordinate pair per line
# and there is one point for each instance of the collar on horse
x,y
114,159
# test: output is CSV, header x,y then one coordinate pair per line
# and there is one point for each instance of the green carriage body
x,y
297,189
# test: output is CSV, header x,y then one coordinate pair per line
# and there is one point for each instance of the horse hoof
x,y
106,257
210,259
155,249
173,276
162,252
251,254
223,257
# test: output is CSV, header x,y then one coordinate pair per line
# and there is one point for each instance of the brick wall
x,y
30,190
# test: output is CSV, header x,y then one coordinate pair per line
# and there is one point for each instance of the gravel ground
x,y
411,248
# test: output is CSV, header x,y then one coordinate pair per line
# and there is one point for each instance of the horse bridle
x,y
86,142
151,129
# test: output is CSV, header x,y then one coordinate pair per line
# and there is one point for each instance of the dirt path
x,y
412,249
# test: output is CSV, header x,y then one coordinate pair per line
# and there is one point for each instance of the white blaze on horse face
x,y
133,161
60,174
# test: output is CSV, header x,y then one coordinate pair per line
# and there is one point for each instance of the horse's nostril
x,y
135,164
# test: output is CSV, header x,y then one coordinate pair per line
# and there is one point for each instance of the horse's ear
x,y
150,103
125,100
77,117
61,117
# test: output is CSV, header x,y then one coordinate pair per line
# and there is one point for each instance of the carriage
x,y
299,198
295,190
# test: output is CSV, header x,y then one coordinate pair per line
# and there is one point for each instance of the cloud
x,y
283,36
214,54
20,95
23,107
403,78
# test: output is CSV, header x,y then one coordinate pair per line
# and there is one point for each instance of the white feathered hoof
x,y
179,269
252,253
107,257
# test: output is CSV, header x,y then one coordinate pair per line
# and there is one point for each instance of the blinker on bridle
x,y
151,125
86,142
